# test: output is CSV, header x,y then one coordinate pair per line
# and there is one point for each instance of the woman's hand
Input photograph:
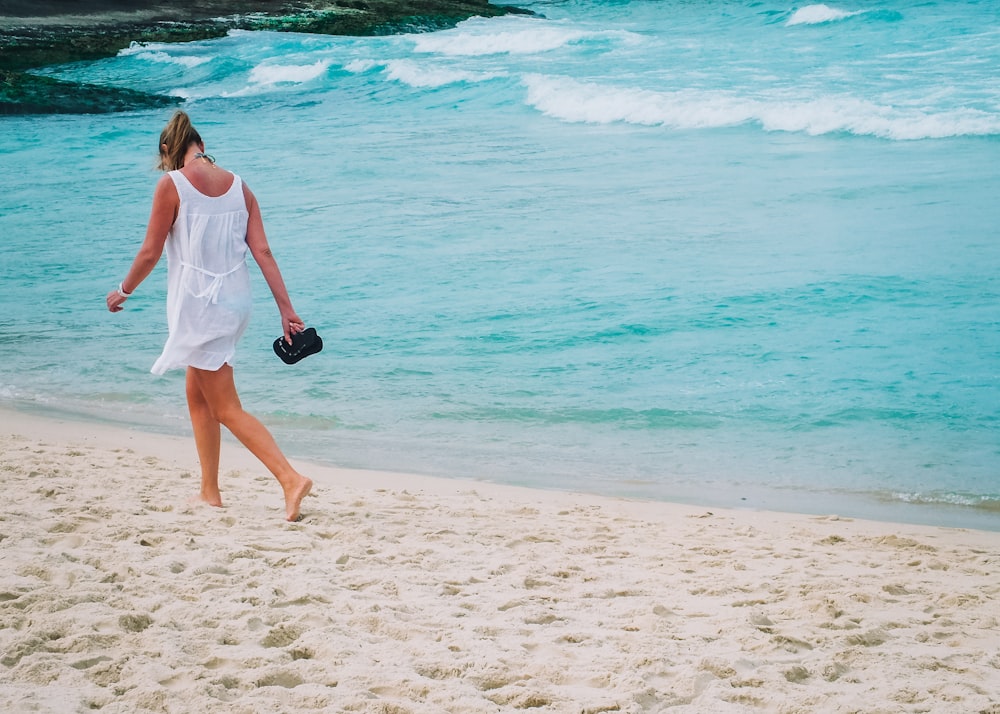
x,y
116,301
291,324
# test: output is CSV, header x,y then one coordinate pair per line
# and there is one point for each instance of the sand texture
x,y
402,594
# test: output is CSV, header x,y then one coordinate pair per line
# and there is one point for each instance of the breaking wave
x,y
590,102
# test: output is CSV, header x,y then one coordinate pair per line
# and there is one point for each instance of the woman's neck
x,y
196,155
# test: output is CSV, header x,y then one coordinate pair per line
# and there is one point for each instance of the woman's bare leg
x,y
219,392
207,439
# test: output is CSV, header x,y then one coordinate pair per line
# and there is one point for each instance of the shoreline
x,y
751,498
68,429
411,594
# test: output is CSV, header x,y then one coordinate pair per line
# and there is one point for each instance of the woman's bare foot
x,y
294,495
206,500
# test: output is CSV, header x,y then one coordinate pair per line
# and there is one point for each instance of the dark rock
x,y
23,93
51,32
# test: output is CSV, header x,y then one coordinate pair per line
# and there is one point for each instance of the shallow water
x,y
725,252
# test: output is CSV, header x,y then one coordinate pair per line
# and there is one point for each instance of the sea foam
x,y
163,54
262,78
817,14
523,37
590,102
418,75
269,74
164,58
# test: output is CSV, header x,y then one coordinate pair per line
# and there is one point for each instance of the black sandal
x,y
304,343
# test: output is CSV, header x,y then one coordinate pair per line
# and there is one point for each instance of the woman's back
x,y
209,231
208,178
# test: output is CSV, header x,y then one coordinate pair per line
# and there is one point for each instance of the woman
x,y
207,218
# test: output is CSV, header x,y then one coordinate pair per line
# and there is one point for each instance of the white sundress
x,y
208,283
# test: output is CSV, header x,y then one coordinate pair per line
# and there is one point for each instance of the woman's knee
x,y
192,388
226,412
218,393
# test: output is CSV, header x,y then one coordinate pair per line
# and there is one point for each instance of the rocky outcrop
x,y
48,32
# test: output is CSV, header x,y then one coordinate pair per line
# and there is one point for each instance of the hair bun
x,y
176,137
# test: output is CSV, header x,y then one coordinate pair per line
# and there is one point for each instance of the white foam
x,y
817,14
262,78
525,36
574,101
162,53
164,58
855,116
526,42
270,74
360,66
135,48
417,75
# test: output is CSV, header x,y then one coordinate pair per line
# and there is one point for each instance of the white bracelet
x,y
121,290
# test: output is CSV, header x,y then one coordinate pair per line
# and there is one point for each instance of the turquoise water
x,y
731,253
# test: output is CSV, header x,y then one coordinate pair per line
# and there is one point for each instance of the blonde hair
x,y
175,139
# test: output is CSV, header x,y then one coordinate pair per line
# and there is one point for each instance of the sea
x,y
731,253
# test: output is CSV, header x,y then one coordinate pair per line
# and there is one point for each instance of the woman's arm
x,y
161,218
291,323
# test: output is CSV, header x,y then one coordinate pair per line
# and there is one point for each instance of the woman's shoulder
x,y
167,184
248,196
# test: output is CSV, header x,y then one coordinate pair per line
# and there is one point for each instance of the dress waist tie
x,y
212,291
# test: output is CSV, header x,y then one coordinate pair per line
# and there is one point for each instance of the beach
x,y
400,593
620,281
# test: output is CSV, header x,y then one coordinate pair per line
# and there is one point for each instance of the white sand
x,y
404,594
